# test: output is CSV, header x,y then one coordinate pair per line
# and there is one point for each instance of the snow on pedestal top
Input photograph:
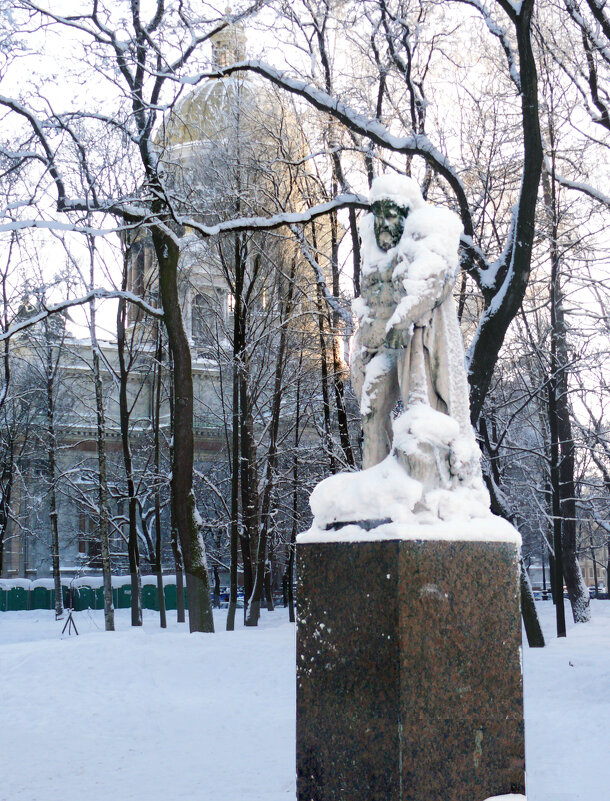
x,y
386,493
489,529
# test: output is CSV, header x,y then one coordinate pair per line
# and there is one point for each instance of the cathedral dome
x,y
208,114
215,112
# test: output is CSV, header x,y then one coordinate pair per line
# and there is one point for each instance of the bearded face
x,y
389,223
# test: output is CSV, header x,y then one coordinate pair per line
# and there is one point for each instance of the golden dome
x,y
211,112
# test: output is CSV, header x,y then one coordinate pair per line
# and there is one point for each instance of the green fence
x,y
42,598
149,597
21,594
171,596
17,599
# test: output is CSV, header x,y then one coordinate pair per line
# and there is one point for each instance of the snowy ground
x,y
151,715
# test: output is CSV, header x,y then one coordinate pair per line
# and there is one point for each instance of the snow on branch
x,y
416,144
586,189
498,31
330,299
590,30
99,294
277,220
511,7
37,127
55,225
140,215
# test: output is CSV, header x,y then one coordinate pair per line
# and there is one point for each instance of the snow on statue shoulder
x,y
408,349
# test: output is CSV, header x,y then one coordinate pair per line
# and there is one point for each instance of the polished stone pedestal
x,y
408,671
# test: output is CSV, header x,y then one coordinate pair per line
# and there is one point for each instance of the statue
x,y
408,370
411,548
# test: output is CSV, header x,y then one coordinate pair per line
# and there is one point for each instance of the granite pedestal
x,y
408,671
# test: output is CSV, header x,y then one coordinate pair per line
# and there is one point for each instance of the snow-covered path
x,y
150,715
145,715
567,709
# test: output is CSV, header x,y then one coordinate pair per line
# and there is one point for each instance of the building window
x,y
89,548
202,320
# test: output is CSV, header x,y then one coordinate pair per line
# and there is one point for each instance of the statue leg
x,y
379,395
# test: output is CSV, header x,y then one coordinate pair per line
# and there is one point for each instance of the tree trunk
x,y
59,605
52,468
535,638
132,540
182,497
156,421
533,631
608,569
295,501
249,486
261,558
328,440
160,591
180,610
504,299
357,258
236,537
216,588
6,489
103,476
234,488
6,481
339,372
562,440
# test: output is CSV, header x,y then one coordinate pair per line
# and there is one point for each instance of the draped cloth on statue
x,y
408,358
420,374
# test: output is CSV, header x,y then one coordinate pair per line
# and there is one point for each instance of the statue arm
x,y
418,292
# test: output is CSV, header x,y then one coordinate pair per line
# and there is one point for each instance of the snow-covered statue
x,y
403,529
421,461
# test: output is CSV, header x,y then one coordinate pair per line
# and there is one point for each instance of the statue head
x,y
389,223
393,196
